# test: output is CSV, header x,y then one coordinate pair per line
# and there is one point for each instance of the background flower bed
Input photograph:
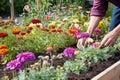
x,y
54,30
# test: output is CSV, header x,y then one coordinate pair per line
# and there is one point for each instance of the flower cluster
x,y
22,57
3,34
69,52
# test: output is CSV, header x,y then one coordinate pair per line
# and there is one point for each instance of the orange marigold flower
x,y
47,18
49,48
84,17
3,46
74,30
4,51
52,26
44,29
30,27
22,32
19,37
59,30
1,21
16,31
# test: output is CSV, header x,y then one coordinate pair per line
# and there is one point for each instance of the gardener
x,y
97,12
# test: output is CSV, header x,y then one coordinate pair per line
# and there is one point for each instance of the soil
x,y
94,68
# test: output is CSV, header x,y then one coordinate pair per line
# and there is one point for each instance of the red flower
x,y
3,34
35,21
59,30
22,32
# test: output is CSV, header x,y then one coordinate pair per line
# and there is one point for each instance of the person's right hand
x,y
81,42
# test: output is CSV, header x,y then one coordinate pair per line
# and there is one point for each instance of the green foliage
x,y
76,66
91,54
44,74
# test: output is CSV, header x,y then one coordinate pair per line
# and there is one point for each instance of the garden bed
x,y
94,68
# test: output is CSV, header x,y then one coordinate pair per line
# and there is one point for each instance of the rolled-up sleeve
x,y
99,8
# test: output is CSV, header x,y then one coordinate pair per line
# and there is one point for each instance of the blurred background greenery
x,y
19,4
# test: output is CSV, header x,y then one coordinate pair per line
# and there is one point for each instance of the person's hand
x,y
81,42
109,39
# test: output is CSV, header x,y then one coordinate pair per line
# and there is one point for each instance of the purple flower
x,y
97,31
0,57
14,64
69,52
25,56
82,35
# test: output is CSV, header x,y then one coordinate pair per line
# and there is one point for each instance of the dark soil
x,y
94,68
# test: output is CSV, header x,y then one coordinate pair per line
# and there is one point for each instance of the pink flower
x,y
14,64
27,8
25,56
69,52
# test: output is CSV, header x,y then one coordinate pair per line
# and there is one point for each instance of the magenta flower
x,y
82,35
14,64
25,56
69,52
97,31
0,57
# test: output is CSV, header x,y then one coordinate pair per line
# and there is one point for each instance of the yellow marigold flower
x,y
75,21
6,77
61,68
70,9
88,12
76,52
101,23
76,13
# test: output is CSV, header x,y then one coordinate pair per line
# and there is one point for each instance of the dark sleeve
x,y
99,8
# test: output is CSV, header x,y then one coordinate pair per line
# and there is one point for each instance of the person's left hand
x,y
109,39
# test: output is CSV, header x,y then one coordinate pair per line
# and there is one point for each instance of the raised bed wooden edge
x,y
111,73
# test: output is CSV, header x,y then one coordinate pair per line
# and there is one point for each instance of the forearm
x,y
116,31
94,20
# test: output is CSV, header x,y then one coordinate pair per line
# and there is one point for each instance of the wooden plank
x,y
111,73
